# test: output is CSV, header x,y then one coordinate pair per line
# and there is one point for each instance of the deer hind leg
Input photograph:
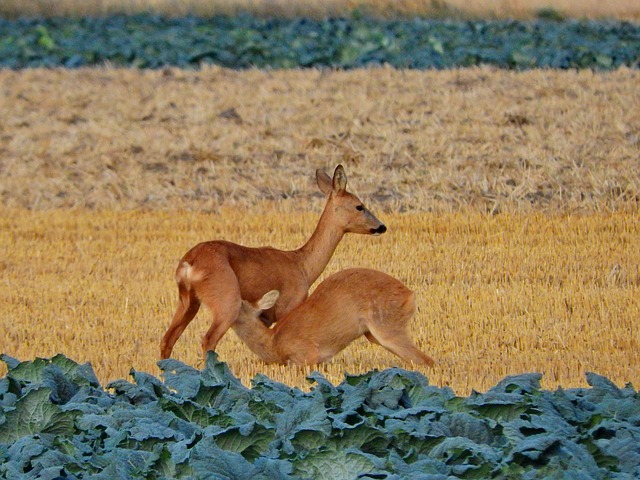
x,y
221,295
188,306
400,344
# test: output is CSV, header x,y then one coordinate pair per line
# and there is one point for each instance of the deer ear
x,y
324,182
268,300
339,179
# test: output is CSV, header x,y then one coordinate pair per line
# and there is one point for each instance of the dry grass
x,y
497,295
511,200
621,9
411,141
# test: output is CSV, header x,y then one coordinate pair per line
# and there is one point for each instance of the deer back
x,y
342,308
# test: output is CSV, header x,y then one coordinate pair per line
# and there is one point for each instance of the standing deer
x,y
345,306
221,274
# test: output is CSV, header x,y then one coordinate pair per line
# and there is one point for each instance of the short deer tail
x,y
409,305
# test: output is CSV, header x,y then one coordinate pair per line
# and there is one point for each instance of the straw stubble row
x,y
497,295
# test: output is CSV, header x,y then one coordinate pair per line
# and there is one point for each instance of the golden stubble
x,y
497,294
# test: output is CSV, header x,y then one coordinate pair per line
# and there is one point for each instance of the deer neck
x,y
319,249
258,337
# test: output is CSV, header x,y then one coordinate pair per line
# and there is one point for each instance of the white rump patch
x,y
186,274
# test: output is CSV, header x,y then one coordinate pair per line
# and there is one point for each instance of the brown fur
x,y
221,274
345,306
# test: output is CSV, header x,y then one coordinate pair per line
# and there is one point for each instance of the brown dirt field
x,y
511,200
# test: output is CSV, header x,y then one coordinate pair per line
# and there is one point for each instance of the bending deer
x,y
345,306
220,274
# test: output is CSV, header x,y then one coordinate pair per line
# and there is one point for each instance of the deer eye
x,y
360,208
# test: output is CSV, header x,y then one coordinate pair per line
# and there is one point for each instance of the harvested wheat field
x,y
511,201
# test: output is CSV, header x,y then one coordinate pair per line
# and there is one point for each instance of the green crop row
x,y
56,421
148,41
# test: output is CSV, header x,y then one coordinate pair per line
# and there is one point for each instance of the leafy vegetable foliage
x,y
56,421
150,41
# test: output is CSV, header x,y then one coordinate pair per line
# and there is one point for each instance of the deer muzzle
x,y
379,230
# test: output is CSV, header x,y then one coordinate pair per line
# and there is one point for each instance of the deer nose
x,y
379,230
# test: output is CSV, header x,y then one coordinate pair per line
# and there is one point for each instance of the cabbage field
x,y
149,41
57,421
